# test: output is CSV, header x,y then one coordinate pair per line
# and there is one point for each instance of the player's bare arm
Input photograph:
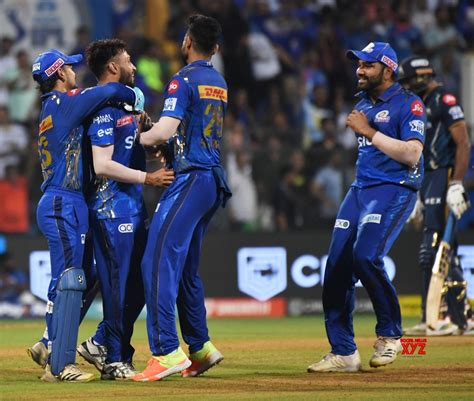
x,y
104,166
406,152
461,138
161,131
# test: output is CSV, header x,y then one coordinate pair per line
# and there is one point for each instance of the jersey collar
x,y
202,63
385,96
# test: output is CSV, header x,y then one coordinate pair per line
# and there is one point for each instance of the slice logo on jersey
x,y
382,117
341,223
173,86
363,142
125,228
56,66
371,218
125,120
417,126
46,124
170,104
103,118
73,92
212,92
417,108
449,99
456,112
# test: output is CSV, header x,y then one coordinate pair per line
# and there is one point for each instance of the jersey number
x,y
215,121
45,155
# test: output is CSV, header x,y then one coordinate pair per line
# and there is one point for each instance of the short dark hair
x,y
48,85
205,33
99,53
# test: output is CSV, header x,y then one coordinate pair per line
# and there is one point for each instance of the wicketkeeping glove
x,y
457,199
139,105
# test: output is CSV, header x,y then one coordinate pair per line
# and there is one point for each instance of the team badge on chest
x,y
382,117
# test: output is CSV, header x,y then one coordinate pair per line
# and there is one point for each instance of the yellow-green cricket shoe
x,y
203,360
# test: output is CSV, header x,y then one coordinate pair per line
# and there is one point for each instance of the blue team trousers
x,y
119,244
171,260
368,222
63,219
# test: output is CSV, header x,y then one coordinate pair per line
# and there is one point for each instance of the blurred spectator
x,y
443,37
327,187
14,194
243,204
13,142
315,110
7,63
405,38
291,197
421,16
22,97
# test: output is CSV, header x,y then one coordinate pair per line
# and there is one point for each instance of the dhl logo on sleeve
x,y
212,92
46,124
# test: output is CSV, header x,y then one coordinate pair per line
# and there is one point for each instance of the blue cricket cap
x,y
49,62
376,52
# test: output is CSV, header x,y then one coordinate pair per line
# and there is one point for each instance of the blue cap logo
x,y
376,52
49,62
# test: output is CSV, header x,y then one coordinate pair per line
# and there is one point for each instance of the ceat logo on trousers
x,y
262,271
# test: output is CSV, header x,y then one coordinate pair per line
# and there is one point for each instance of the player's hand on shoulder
x,y
358,122
160,178
457,198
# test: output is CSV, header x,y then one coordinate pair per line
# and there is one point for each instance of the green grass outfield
x,y
265,359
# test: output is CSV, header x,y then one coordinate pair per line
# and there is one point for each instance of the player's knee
x,y
361,257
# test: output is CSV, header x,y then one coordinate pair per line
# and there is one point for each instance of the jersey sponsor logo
x,y
107,131
56,66
125,228
417,108
417,126
73,92
170,104
382,117
389,62
129,141
433,201
341,223
371,218
456,112
173,86
36,67
212,92
363,141
125,120
449,99
46,124
103,118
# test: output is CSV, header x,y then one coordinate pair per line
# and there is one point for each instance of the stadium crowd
x,y
288,153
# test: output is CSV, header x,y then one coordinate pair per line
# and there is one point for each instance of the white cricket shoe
x,y
386,351
39,354
93,353
118,371
443,328
70,373
416,330
337,363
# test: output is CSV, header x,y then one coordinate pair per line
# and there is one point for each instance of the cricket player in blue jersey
x,y
118,214
192,118
62,211
389,123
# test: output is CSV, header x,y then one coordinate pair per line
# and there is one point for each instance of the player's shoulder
x,y
446,97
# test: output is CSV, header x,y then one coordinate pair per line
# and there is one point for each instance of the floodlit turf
x,y
265,359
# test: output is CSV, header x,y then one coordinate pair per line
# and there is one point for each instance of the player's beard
x,y
372,82
127,78
184,54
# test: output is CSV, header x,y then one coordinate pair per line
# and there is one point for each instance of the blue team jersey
x,y
399,114
109,198
196,95
61,132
